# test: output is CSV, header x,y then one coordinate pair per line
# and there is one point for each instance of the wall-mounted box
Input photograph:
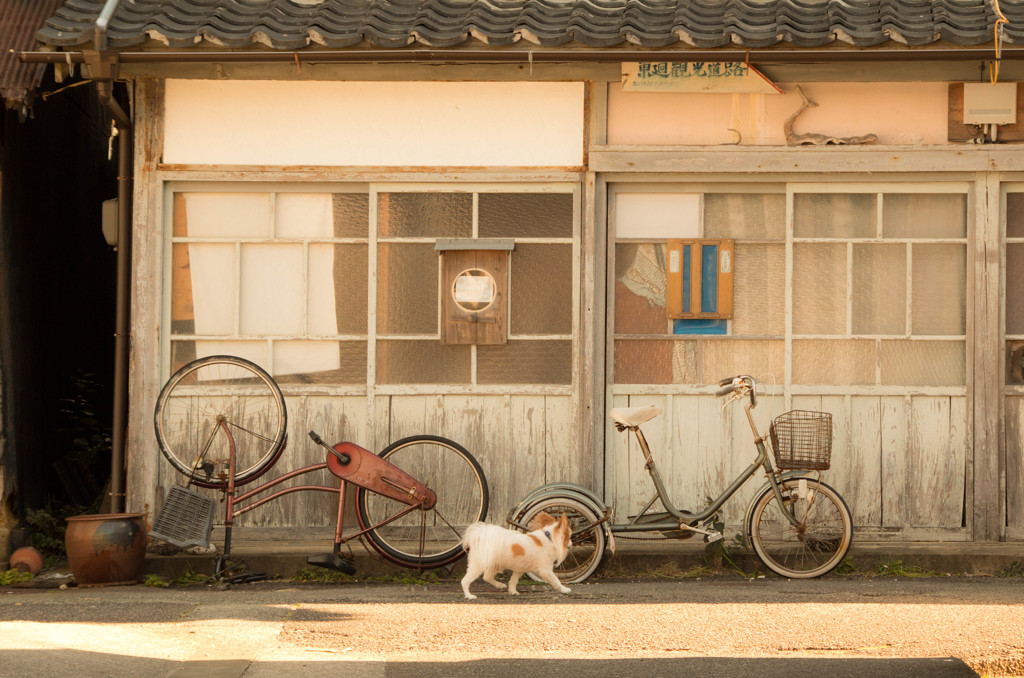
x,y
474,290
699,279
990,103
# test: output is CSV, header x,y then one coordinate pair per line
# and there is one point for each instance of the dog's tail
x,y
472,535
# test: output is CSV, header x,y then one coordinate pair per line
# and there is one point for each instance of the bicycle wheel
x,y
816,544
588,539
204,401
433,537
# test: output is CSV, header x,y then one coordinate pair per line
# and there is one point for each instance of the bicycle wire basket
x,y
802,440
186,519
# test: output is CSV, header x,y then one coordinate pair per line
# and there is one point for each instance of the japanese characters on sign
x,y
695,76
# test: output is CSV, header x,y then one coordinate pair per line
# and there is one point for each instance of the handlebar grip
x,y
725,391
727,380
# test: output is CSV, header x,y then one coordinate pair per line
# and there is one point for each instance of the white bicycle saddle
x,y
634,416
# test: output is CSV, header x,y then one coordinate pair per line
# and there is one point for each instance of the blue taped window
x,y
699,279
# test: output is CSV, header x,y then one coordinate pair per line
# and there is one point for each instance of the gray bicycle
x,y
799,526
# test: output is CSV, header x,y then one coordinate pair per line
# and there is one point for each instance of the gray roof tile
x,y
702,24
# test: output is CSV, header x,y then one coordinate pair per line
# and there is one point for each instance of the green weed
x,y
891,567
155,580
15,576
1014,569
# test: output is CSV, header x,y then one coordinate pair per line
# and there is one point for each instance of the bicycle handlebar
x,y
744,382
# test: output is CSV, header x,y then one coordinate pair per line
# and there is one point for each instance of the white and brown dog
x,y
493,549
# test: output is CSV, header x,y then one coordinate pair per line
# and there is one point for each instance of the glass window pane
x,y
879,289
203,291
834,362
540,285
351,215
226,215
407,288
754,216
525,215
924,215
271,296
655,362
819,288
337,289
186,351
725,358
759,285
834,215
303,215
939,287
425,215
923,363
657,215
640,288
1015,288
422,362
525,362
320,362
1015,363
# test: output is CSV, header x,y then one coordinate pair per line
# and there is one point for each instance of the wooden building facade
x,y
301,214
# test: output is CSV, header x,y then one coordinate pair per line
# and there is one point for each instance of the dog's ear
x,y
541,521
565,529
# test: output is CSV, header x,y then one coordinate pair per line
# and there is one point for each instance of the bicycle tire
x,y
205,392
588,539
430,538
814,548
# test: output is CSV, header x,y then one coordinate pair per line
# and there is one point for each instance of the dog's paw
x,y
470,596
565,589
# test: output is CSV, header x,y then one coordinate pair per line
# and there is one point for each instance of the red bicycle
x,y
221,421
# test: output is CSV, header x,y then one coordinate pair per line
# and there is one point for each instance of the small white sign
x,y
695,76
474,289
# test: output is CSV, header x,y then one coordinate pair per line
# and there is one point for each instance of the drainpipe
x,y
103,70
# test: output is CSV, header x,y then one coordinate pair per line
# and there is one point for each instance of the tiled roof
x,y
19,21
701,24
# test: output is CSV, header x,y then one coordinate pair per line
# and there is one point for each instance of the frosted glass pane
x,y
759,289
819,288
431,215
657,215
1015,288
879,289
525,215
754,216
320,362
834,215
228,215
422,362
351,215
834,362
407,288
725,358
304,215
924,215
540,286
655,362
212,278
923,363
186,351
271,298
640,270
525,362
337,289
1015,215
1014,363
939,304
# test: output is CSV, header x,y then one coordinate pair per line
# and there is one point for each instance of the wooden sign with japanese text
x,y
695,76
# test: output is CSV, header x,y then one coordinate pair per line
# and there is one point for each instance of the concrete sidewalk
x,y
633,558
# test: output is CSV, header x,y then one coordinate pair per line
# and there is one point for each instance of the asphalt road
x,y
933,627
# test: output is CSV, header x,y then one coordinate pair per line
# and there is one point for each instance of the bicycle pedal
x,y
713,537
332,562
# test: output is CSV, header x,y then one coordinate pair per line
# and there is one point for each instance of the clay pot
x,y
106,549
27,559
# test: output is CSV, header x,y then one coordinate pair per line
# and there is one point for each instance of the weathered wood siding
x,y
899,461
1015,466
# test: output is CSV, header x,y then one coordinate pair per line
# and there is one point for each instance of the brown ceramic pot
x,y
106,549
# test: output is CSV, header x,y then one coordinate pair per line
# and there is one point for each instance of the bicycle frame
x,y
349,462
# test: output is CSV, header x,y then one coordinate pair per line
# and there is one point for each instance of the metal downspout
x,y
103,70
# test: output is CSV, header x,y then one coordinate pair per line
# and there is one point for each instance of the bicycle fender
x,y
567,491
787,475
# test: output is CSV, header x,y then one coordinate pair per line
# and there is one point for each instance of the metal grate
x,y
802,440
186,519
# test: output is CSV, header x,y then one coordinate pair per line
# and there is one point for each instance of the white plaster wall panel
x,y
374,123
899,113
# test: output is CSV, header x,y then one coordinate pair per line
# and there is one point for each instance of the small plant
x,y
1014,569
846,566
719,552
155,580
191,578
15,576
321,575
895,568
48,528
